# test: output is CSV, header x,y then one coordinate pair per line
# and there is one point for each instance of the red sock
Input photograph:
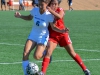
x,y
78,59
45,64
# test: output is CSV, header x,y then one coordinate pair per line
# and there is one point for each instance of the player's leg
x,y
1,6
39,54
45,52
27,49
39,51
23,6
19,6
5,5
76,57
46,59
67,44
41,45
70,5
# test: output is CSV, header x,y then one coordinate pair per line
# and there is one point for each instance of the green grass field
x,y
84,32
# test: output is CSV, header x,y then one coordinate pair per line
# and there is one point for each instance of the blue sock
x,y
24,65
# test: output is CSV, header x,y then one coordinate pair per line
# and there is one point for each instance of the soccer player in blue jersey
x,y
70,4
3,3
39,34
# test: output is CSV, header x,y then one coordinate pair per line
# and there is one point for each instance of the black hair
x,y
59,1
46,1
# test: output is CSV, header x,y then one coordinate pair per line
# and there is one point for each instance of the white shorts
x,y
39,39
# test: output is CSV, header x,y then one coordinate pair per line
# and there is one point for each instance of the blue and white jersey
x,y
40,23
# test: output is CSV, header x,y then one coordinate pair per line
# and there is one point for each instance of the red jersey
x,y
59,23
62,39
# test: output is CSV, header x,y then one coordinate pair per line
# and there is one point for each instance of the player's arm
x,y
57,15
18,15
29,17
57,29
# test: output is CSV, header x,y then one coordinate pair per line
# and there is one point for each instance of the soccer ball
x,y
32,69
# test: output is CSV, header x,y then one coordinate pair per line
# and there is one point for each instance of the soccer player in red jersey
x,y
62,39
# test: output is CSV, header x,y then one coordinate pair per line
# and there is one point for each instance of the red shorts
x,y
61,39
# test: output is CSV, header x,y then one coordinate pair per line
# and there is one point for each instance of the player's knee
x,y
37,57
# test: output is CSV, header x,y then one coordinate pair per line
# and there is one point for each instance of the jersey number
x,y
37,23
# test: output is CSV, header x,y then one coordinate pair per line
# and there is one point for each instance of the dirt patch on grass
x,y
82,4
77,5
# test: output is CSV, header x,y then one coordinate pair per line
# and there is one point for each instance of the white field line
x,y
83,49
55,61
56,47
11,44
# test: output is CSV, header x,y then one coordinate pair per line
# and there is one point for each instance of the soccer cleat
x,y
87,72
39,73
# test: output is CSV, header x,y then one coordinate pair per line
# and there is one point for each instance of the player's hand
x,y
17,14
49,9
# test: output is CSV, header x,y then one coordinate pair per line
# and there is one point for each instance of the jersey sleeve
x,y
60,9
32,12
